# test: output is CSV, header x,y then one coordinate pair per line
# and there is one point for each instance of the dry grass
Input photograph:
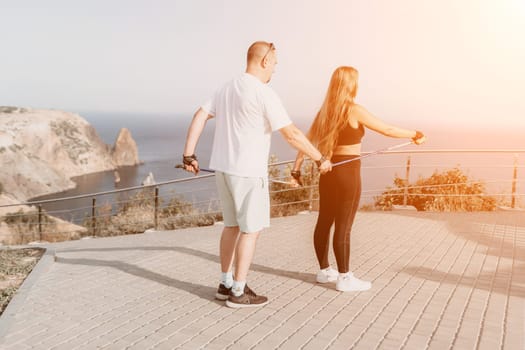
x,y
15,265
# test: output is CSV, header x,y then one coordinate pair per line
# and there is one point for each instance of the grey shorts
x,y
245,201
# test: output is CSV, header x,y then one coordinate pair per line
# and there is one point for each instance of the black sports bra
x,y
350,136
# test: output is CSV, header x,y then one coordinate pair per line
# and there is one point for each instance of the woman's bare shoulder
x,y
359,112
359,108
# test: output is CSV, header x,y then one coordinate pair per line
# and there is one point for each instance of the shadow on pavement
x,y
503,236
199,290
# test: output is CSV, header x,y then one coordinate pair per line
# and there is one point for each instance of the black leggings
x,y
339,192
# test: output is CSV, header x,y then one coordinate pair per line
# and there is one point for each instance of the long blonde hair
x,y
335,111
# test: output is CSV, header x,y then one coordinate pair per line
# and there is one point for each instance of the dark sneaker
x,y
222,292
247,299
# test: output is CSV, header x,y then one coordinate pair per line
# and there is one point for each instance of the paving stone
x,y
438,279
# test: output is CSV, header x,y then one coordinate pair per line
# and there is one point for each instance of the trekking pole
x,y
373,153
180,166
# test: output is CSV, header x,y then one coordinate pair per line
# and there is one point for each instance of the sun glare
x,y
519,5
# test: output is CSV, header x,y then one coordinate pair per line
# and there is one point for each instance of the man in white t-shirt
x,y
246,112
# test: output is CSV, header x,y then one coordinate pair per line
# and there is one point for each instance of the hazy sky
x,y
452,61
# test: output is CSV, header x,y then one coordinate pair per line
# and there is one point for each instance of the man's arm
x,y
194,132
300,142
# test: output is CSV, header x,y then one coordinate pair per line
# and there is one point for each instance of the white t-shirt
x,y
246,112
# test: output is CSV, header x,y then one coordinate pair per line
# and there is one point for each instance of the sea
x,y
160,140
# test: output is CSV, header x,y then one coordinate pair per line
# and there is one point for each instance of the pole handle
x,y
180,166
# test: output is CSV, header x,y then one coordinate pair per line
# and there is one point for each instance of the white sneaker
x,y
349,283
327,275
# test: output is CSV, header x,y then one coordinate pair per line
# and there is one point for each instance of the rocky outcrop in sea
x,y
41,150
125,151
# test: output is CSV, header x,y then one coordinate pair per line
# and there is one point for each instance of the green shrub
x,y
11,109
136,214
25,224
450,190
286,200
179,213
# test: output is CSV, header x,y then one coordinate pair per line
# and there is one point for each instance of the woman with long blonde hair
x,y
337,131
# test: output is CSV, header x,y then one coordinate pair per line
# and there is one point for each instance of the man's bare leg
x,y
229,238
244,254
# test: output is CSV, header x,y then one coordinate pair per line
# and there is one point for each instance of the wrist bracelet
x,y
188,159
419,135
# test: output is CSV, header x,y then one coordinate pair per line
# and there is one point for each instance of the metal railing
x,y
512,180
136,209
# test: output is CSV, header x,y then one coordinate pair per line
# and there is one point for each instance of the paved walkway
x,y
440,281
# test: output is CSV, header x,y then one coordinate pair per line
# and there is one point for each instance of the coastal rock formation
x,y
149,180
41,150
125,151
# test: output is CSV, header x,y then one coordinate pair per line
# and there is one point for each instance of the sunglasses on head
x,y
272,47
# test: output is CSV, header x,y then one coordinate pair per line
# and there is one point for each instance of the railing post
x,y
407,177
93,215
40,222
156,214
457,199
514,178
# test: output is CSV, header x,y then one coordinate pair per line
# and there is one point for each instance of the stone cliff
x,y
41,150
